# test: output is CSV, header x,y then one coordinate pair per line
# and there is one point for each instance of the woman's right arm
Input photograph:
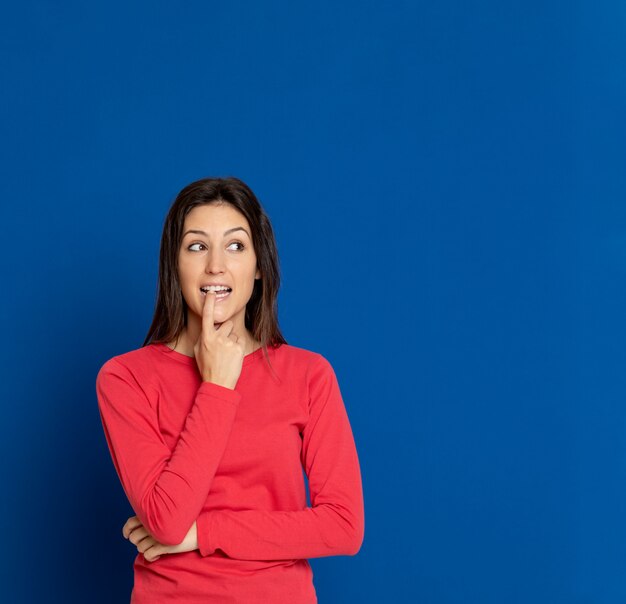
x,y
166,489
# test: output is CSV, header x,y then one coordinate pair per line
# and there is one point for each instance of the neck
x,y
191,333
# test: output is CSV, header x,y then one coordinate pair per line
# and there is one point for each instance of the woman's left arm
x,y
334,524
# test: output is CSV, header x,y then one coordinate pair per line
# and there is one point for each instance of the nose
x,y
215,261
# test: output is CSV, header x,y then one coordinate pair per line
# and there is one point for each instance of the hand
x,y
151,549
218,352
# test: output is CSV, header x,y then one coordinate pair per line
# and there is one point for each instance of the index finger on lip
x,y
207,314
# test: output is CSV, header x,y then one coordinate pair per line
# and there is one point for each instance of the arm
x,y
165,488
334,524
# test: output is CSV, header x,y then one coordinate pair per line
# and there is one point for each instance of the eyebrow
x,y
198,232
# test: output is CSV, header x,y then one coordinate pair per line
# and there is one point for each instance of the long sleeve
x,y
166,488
334,524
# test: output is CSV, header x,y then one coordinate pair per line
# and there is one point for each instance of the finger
x,y
147,543
131,524
138,535
133,534
150,557
153,552
207,311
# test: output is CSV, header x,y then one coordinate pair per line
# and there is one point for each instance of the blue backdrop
x,y
446,182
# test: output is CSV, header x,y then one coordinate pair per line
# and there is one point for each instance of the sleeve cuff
x,y
204,528
221,392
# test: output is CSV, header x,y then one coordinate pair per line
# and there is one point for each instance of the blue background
x,y
446,182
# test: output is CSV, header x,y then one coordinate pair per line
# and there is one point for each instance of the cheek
x,y
250,281
187,270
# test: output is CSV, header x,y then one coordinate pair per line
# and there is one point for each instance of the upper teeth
x,y
214,288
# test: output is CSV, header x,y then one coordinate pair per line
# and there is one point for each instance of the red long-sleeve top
x,y
232,460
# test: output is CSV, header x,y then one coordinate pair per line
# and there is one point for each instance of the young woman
x,y
211,422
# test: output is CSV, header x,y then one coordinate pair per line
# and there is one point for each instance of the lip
x,y
218,298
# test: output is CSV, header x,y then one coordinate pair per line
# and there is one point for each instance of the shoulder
x,y
313,364
299,355
134,365
316,379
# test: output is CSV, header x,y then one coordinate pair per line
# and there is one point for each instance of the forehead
x,y
214,217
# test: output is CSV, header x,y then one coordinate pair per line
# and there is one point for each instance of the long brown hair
x,y
170,313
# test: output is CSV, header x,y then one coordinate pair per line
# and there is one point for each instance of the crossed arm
x,y
169,494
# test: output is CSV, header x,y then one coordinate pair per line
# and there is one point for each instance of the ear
x,y
258,274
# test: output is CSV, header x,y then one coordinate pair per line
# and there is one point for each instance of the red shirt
x,y
231,460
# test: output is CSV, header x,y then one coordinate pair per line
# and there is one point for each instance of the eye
x,y
241,246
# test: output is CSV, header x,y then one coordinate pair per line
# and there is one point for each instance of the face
x,y
219,251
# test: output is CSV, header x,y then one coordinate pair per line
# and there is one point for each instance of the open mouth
x,y
220,294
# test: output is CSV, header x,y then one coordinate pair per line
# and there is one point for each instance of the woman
x,y
212,421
